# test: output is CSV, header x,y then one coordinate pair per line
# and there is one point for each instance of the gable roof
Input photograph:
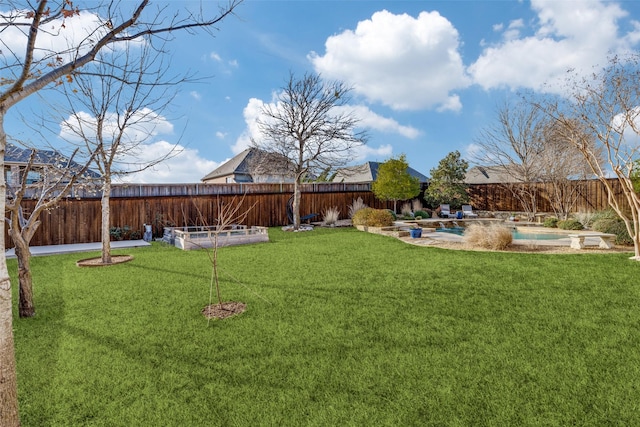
x,y
368,172
251,165
489,175
235,165
20,156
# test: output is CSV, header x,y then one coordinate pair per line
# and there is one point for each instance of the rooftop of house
x,y
248,163
488,175
20,156
237,164
368,172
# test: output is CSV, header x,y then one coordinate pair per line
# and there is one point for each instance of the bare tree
x,y
526,147
58,176
228,215
513,145
606,104
114,109
563,169
29,69
309,129
264,166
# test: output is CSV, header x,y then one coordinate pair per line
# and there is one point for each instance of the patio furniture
x,y
303,218
467,211
445,211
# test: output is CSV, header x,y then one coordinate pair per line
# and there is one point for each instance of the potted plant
x,y
415,231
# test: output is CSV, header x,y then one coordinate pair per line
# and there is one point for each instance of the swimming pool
x,y
517,235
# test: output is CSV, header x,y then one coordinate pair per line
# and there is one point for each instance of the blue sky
x,y
427,75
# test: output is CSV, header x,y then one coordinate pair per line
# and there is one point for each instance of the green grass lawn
x,y
342,328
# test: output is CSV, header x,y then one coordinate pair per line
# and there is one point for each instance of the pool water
x,y
517,235
453,230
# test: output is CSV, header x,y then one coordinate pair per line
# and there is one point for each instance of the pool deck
x,y
450,237
533,227
79,247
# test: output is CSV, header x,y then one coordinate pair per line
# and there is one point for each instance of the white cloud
x,y
398,60
452,104
251,114
61,37
364,152
225,65
568,35
140,149
195,95
142,126
185,167
513,31
368,120
627,125
472,151
221,135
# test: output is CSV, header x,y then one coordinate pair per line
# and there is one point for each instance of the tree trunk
x,y
9,416
297,195
106,236
26,307
8,381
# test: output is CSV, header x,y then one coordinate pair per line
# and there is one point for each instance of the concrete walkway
x,y
79,247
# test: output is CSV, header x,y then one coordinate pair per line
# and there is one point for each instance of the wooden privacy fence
x,y
77,219
591,196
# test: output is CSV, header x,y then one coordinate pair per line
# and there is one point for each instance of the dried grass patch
x,y
493,236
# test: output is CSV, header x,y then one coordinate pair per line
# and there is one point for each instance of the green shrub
x,y
570,224
613,226
421,214
373,217
606,214
393,214
124,233
551,222
380,218
361,217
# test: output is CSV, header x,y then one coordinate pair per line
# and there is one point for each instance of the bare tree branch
x,y
310,129
606,105
27,74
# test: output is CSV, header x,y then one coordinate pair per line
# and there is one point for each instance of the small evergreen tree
x,y
394,182
447,181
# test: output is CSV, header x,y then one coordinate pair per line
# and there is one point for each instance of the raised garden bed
x,y
187,238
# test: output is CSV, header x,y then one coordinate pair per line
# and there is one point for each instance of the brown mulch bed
x,y
97,262
224,310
